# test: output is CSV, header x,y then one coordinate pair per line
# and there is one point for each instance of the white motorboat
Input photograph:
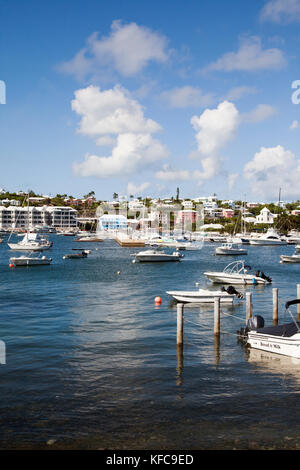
x,y
271,237
31,242
237,273
290,258
30,261
297,247
280,339
205,295
156,255
230,249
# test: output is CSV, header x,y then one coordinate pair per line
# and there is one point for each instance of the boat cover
x,y
286,330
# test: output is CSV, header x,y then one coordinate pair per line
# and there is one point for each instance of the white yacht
x,y
271,237
237,273
230,249
31,242
30,261
205,295
156,255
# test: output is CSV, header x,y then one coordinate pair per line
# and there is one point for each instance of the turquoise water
x,y
92,362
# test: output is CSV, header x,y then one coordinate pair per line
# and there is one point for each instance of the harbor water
x,y
92,363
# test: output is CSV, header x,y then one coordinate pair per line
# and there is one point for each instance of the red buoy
x,y
157,300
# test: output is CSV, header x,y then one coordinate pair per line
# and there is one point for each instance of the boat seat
x,y
286,330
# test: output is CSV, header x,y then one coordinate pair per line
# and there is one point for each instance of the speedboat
x,y
290,258
205,295
271,237
157,255
230,249
30,261
31,242
281,339
83,254
237,273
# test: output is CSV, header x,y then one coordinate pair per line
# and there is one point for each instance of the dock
x,y
129,242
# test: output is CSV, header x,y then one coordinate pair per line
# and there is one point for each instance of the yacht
x,y
156,255
31,242
237,273
230,249
271,237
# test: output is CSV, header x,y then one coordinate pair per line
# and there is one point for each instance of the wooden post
x,y
298,305
179,324
217,316
248,305
275,306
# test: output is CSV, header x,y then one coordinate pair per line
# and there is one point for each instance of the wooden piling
x,y
179,324
217,316
298,305
248,306
275,306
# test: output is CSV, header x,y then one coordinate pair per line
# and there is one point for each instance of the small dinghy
x,y
230,249
281,339
83,254
205,295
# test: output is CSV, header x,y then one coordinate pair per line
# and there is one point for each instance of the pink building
x,y
228,213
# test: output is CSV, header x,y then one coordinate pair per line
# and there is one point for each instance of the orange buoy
x,y
11,265
157,300
118,272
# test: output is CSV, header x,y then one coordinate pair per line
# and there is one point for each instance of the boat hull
x,y
276,344
30,262
157,258
290,259
242,279
226,251
18,247
200,297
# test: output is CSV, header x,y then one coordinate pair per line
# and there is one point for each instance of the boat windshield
x,y
236,267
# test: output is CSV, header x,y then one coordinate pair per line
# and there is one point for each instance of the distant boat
x,y
31,242
30,261
271,237
290,258
238,273
83,254
230,249
156,255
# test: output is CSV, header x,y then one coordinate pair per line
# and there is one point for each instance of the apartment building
x,y
12,217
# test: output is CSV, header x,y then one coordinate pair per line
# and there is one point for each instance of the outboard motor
x,y
253,323
263,276
232,291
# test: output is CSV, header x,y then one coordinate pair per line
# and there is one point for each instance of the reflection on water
x,y
92,362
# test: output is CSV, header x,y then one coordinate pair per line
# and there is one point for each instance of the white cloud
x,y
132,153
249,57
186,96
259,114
272,168
232,179
169,174
281,11
295,125
110,111
112,117
127,49
134,189
214,129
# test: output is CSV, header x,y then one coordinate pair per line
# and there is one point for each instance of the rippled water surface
x,y
92,363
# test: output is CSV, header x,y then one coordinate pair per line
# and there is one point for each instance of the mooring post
x,y
298,305
248,306
275,306
179,324
217,316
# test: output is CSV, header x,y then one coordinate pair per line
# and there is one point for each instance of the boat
x,y
280,339
290,258
271,237
297,247
30,261
237,273
89,238
156,255
83,254
31,242
230,249
205,295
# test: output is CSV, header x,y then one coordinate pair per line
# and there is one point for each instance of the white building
x,y
265,217
112,222
12,217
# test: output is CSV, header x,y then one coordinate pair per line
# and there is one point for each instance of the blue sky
x,y
140,98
